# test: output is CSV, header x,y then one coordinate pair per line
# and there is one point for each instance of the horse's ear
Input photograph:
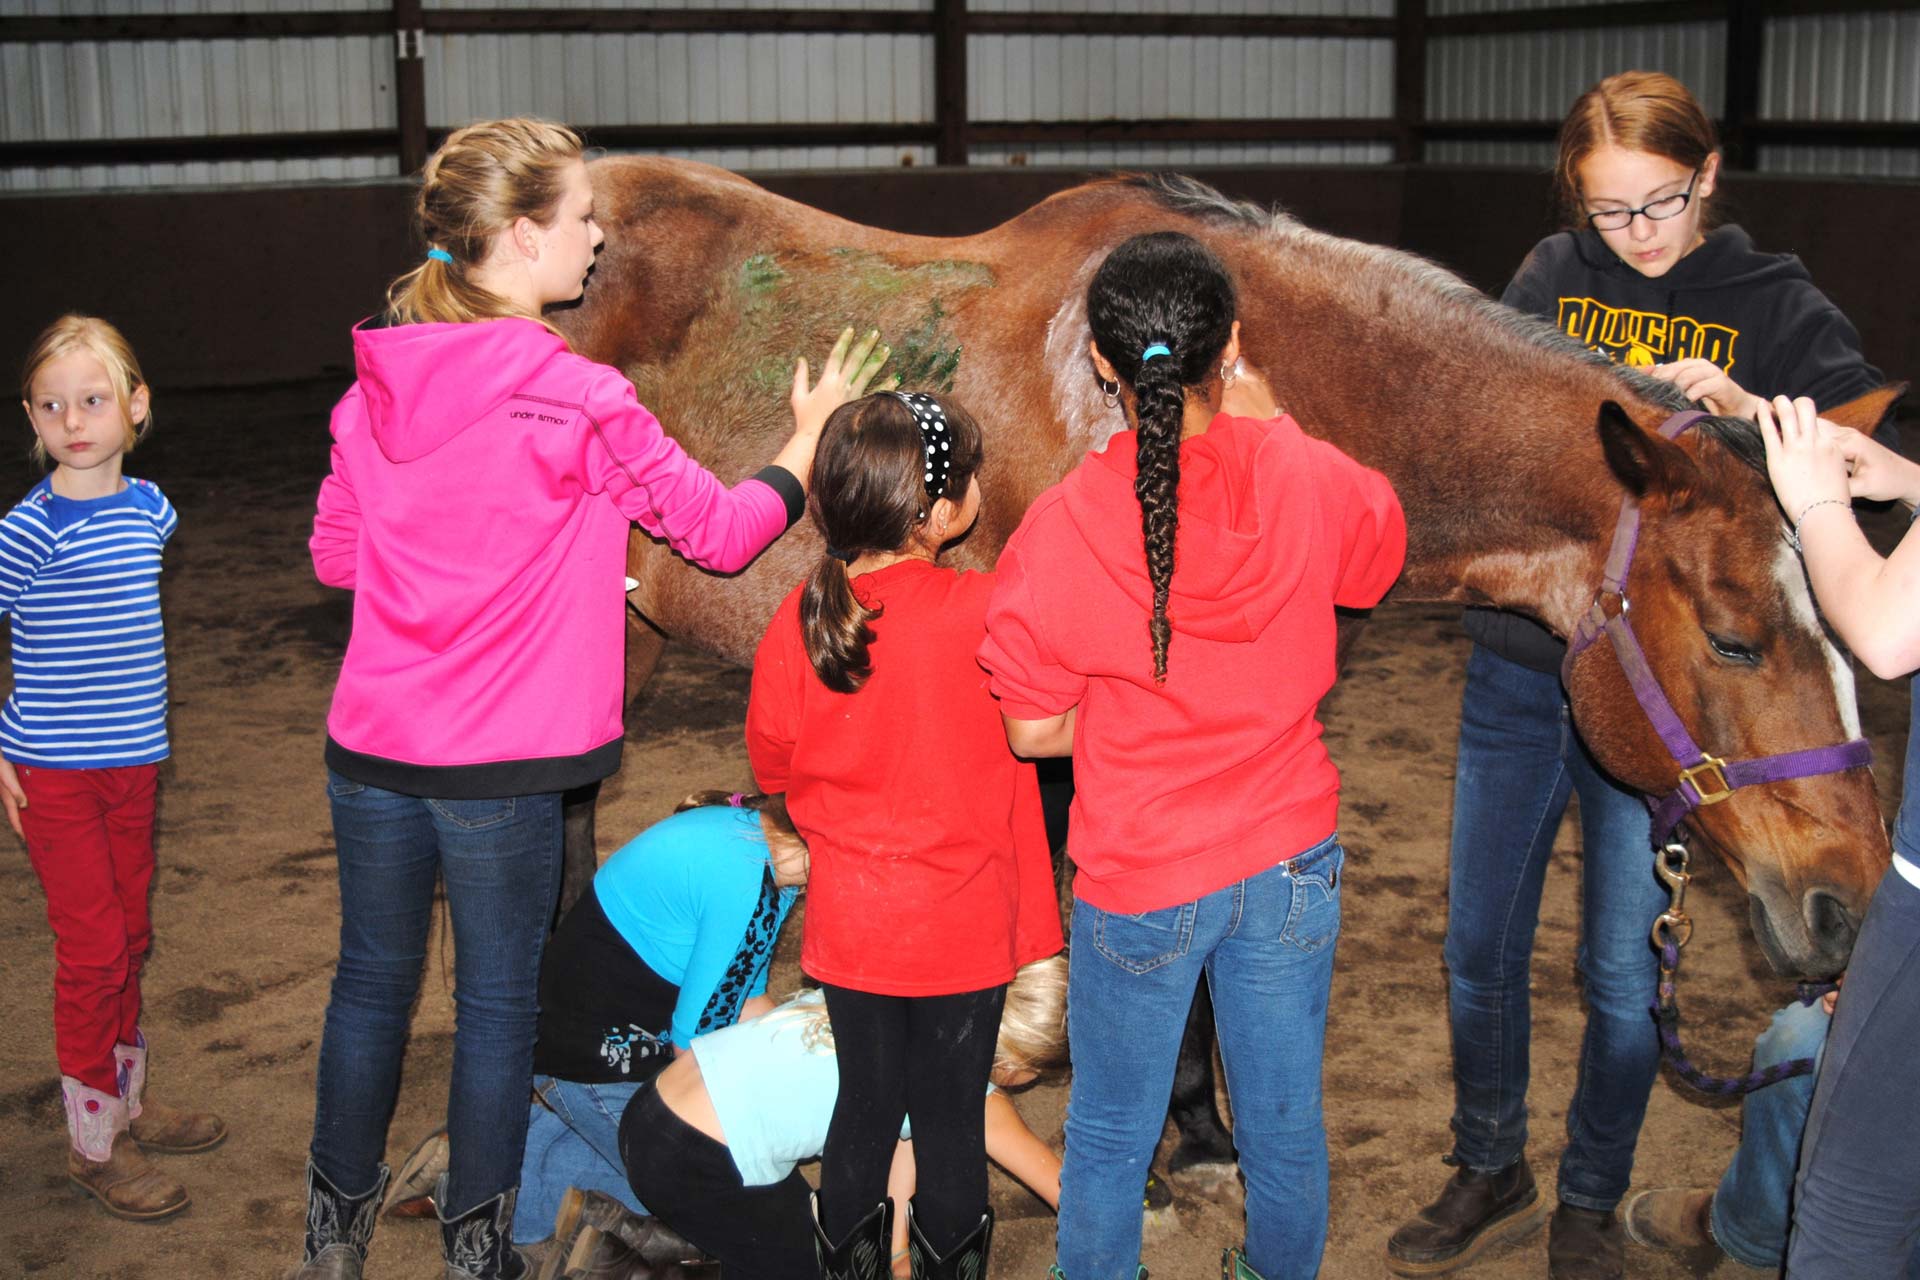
x,y
1866,413
1642,460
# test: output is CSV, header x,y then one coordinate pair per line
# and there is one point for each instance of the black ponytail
x,y
1164,290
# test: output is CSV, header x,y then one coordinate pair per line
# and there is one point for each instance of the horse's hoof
x,y
1211,1159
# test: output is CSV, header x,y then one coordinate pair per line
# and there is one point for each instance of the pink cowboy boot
x,y
105,1162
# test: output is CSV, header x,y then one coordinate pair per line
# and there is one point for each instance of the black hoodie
x,y
1756,315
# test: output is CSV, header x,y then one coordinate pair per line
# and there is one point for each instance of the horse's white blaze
x,y
1792,576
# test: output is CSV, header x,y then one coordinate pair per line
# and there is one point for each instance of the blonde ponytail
x,y
480,181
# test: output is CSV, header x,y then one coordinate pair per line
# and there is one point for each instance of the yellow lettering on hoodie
x,y
1643,338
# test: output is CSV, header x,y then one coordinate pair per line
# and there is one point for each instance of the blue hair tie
x,y
440,255
1157,349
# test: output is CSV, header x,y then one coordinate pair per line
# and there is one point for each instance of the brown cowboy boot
x,y
1474,1212
104,1161
155,1125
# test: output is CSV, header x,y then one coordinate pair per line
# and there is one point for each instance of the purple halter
x,y
1707,779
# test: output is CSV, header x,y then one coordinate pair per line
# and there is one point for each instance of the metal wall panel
x,y
193,88
1536,75
1853,67
771,159
1182,77
65,8
1125,155
912,6
1273,8
1862,66
1450,7
648,79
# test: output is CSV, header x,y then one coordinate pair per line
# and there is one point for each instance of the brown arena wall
x,y
239,287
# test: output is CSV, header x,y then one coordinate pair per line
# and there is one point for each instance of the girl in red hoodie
x,y
1185,689
931,881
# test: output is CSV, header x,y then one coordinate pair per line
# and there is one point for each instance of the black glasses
x,y
1654,211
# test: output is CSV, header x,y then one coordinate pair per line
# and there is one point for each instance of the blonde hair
x,y
482,179
1647,111
72,333
1033,1024
784,842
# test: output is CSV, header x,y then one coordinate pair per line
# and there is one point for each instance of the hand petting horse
x,y
1514,452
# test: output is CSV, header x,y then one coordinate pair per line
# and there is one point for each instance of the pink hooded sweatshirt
x,y
484,477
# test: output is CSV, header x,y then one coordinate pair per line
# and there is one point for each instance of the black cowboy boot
x,y
611,1242
867,1251
478,1244
1475,1210
339,1228
965,1261
1586,1244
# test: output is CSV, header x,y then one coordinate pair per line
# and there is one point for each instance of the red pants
x,y
90,836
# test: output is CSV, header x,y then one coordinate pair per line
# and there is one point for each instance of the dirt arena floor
x,y
245,911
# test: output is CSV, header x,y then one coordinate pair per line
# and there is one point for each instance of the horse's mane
x,y
1195,199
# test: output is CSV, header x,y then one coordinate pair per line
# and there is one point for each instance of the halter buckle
x,y
1714,770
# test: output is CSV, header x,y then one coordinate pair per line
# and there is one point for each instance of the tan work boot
x,y
1676,1218
104,1161
155,1125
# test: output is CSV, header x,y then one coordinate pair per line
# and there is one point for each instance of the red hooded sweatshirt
x,y
1218,774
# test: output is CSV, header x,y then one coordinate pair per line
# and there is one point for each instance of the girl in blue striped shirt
x,y
81,738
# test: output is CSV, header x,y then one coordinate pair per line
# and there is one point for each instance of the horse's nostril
x,y
1830,923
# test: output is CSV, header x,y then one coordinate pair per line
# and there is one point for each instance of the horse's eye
x,y
1733,651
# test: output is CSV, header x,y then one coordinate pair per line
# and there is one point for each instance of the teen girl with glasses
x,y
1642,276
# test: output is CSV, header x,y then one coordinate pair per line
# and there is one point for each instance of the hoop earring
x,y
1228,374
1111,390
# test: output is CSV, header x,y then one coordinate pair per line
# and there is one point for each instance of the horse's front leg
x,y
1204,1139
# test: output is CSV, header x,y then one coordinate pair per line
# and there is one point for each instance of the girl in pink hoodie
x,y
484,482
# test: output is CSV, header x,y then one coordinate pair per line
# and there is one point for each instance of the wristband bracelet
x,y
1794,537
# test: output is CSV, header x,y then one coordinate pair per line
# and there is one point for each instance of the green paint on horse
x,y
866,288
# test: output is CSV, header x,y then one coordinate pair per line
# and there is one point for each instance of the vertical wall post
x,y
949,80
1409,79
410,84
1746,44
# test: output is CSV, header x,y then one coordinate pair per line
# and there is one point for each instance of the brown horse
x,y
1491,426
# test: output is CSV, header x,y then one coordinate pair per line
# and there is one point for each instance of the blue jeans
x,y
1856,1207
1519,759
500,861
1753,1203
573,1140
1266,945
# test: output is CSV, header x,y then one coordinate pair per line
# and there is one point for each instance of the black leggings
x,y
924,1057
689,1182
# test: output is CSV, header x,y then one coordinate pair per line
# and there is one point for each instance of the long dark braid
x,y
1160,290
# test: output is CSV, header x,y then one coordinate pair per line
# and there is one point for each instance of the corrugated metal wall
x,y
1819,68
1848,67
191,88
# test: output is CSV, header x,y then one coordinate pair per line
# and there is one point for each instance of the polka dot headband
x,y
936,437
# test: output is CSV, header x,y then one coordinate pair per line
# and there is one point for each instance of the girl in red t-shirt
x,y
931,880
